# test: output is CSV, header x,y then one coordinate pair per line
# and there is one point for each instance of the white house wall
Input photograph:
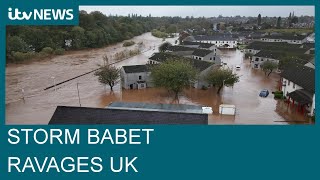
x,y
132,78
289,86
232,44
313,106
285,40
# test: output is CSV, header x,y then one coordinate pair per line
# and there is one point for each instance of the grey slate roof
x,y
285,37
136,68
180,48
198,64
201,45
215,38
157,107
257,45
301,96
301,75
205,45
85,115
201,52
270,54
190,43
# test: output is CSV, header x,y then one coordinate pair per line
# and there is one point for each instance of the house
x,y
220,40
291,39
203,67
135,77
257,46
181,50
263,56
298,85
198,45
206,55
116,114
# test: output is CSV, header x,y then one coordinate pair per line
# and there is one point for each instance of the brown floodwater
x,y
39,105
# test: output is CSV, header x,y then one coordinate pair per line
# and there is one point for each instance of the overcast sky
x,y
199,11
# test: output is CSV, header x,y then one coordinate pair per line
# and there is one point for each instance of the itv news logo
x,y
40,14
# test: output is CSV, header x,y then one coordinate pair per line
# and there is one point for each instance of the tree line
x,y
94,30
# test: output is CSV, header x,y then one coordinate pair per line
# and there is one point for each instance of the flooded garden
x,y
28,103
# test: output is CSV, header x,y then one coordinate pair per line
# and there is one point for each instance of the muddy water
x,y
38,105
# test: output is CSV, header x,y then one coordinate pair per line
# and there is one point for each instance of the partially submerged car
x,y
264,93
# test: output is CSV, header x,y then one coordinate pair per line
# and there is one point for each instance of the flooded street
x,y
39,105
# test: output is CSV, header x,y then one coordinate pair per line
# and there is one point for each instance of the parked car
x,y
264,93
238,67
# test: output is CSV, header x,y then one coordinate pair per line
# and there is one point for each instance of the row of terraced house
x,y
203,56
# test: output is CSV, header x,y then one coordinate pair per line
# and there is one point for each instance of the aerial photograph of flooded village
x,y
165,65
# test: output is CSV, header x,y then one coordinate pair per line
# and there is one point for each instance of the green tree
x,y
222,77
108,75
15,43
268,67
294,20
164,46
171,29
259,19
279,22
174,75
78,37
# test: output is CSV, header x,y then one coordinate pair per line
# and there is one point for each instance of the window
x,y
294,85
140,77
262,59
257,59
142,85
288,82
214,58
210,58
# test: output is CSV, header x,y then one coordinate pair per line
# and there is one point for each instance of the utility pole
x,y
54,83
78,94
22,91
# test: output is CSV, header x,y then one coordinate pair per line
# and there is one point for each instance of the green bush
x,y
20,56
128,43
159,34
59,51
279,96
47,50
278,92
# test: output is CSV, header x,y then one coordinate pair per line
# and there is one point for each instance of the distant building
x,y
221,40
292,39
206,55
181,50
125,113
298,85
198,45
135,77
